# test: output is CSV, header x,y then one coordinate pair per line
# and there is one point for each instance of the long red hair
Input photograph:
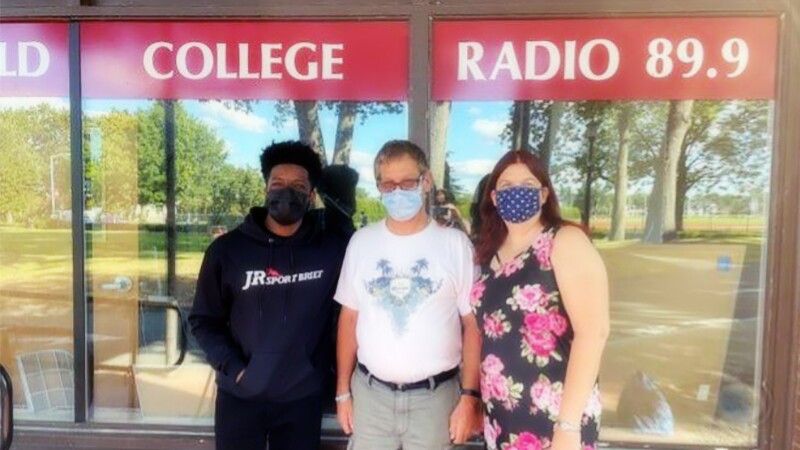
x,y
493,230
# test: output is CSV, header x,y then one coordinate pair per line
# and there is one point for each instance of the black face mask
x,y
287,206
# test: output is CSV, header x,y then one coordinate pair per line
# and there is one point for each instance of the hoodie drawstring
x,y
288,288
269,267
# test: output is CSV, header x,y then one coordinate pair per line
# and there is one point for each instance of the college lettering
x,y
33,60
324,61
260,278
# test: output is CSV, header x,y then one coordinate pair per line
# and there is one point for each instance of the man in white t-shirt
x,y
404,290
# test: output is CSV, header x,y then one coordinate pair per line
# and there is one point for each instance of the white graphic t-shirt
x,y
410,292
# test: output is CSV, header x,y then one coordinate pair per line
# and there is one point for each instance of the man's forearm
x,y
471,354
346,347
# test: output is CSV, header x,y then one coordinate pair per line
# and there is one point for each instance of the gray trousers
x,y
412,420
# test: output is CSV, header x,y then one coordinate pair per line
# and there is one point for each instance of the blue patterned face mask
x,y
518,204
402,205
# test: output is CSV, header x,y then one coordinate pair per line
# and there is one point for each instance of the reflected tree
x,y
660,222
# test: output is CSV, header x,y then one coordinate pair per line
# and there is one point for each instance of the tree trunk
x,y
682,189
586,210
344,132
619,211
660,223
551,135
440,123
521,126
309,127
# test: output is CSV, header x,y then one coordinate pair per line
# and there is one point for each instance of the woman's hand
x,y
566,440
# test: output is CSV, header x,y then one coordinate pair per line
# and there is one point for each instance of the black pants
x,y
249,425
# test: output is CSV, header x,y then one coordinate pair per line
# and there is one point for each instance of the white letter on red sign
x,y
44,59
267,61
469,53
222,63
507,60
4,72
208,60
584,61
147,61
553,60
328,61
244,63
569,60
291,61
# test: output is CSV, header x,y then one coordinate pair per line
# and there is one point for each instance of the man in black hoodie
x,y
262,311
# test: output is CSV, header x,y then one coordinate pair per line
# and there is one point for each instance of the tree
x,y
660,222
310,130
35,172
586,154
440,123
624,115
308,126
237,190
535,126
726,144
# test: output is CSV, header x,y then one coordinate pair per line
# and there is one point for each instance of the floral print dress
x,y
526,343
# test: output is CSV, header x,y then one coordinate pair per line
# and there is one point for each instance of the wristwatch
x,y
471,393
569,427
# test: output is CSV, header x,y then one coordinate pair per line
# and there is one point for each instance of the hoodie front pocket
x,y
273,374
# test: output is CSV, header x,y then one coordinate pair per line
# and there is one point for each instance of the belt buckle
x,y
401,387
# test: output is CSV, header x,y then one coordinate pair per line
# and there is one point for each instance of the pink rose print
x,y
537,323
594,407
495,325
491,431
544,248
546,397
540,394
525,441
492,365
541,344
495,386
511,267
558,323
477,293
531,297
498,388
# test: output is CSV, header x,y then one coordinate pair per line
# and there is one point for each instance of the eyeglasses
x,y
407,185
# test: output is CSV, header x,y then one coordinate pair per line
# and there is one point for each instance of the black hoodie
x,y
264,303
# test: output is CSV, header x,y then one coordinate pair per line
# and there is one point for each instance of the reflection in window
x,y
36,256
675,195
154,203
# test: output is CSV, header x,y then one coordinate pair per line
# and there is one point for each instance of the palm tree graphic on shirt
x,y
400,293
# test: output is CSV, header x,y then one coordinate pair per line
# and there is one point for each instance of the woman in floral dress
x,y
542,302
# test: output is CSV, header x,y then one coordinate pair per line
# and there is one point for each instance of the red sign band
x,y
605,59
246,60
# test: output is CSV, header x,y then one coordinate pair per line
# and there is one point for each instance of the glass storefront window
x,y
142,276
682,363
166,176
673,187
36,335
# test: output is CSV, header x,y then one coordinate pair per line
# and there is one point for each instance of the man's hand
x,y
344,414
465,419
239,376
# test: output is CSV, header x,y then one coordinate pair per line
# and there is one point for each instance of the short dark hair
x,y
291,152
397,148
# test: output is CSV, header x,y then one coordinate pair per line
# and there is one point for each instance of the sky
x,y
473,142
